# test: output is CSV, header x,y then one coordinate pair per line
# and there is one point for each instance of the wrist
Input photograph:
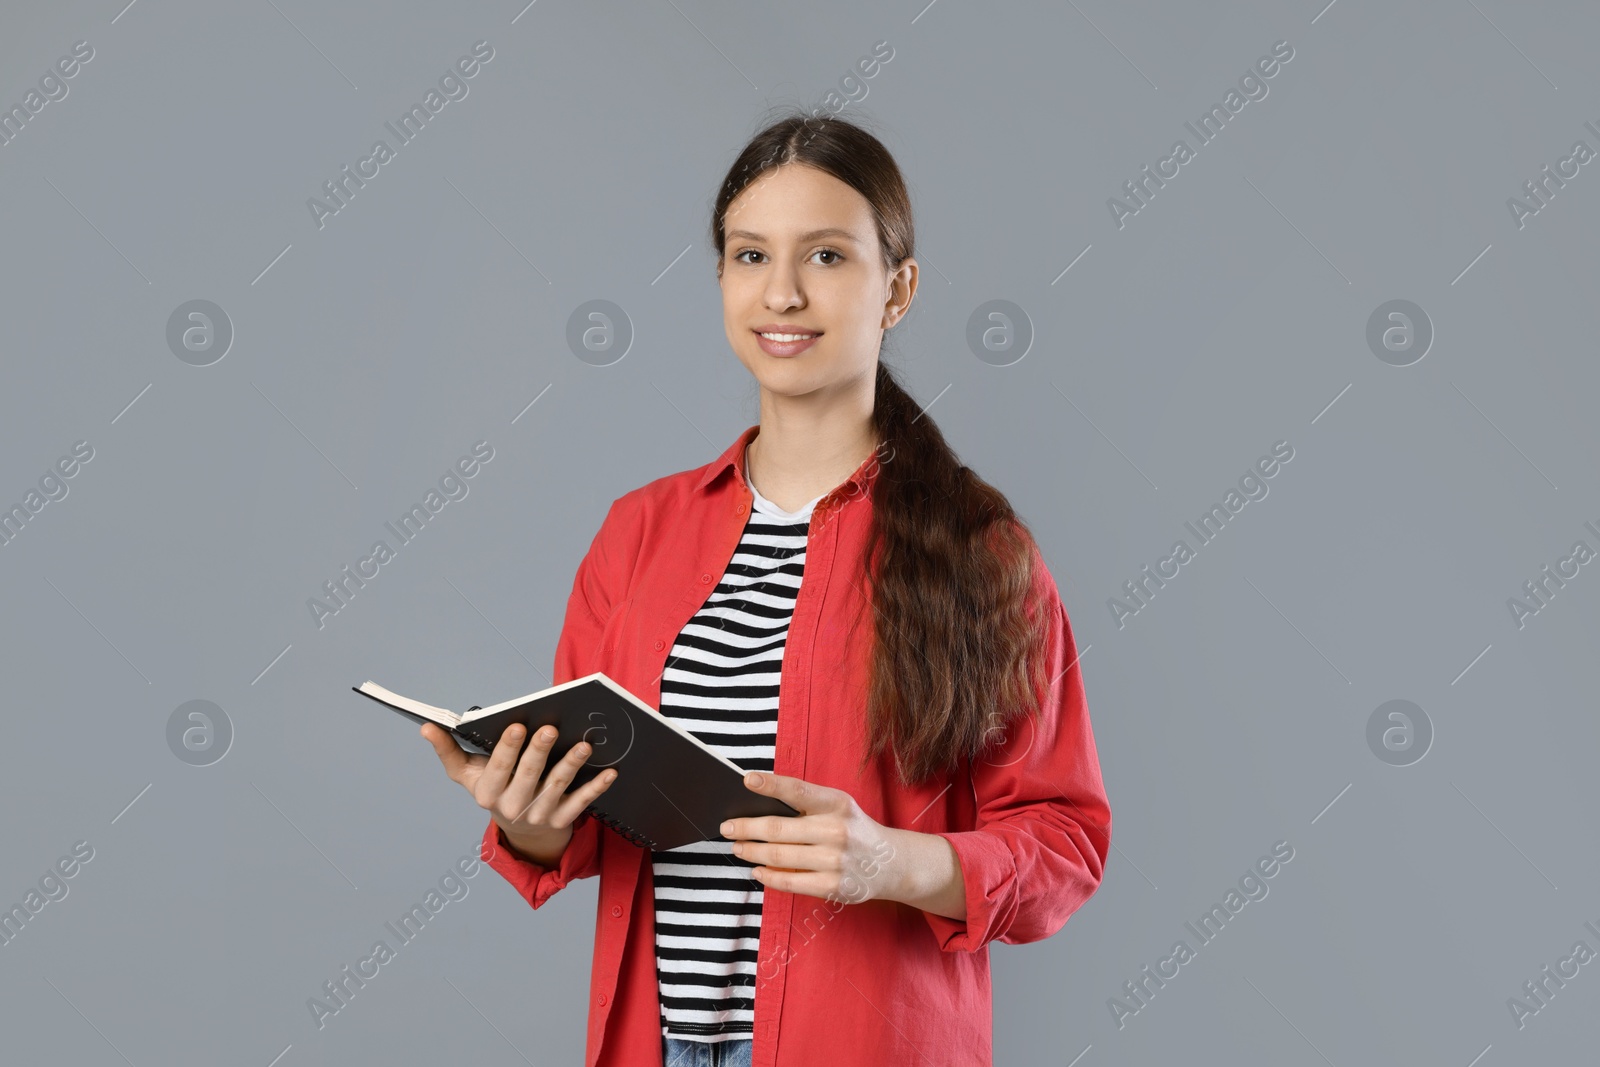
x,y
924,872
544,849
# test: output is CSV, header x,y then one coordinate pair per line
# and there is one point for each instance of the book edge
x,y
388,696
443,716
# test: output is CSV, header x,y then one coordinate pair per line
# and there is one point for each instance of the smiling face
x,y
802,263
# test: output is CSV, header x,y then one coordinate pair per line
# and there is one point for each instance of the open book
x,y
670,789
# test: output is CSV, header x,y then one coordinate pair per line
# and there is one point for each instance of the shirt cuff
x,y
988,873
534,883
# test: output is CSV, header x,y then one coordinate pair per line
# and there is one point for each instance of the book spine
x,y
476,738
473,735
622,828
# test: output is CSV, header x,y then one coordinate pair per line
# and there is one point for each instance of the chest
x,y
715,590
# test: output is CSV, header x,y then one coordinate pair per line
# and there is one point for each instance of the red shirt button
x,y
658,646
602,1000
704,578
616,911
741,509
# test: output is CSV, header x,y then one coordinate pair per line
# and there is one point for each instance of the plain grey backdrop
x,y
1443,850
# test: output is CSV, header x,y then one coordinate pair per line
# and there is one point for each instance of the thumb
x,y
805,797
444,746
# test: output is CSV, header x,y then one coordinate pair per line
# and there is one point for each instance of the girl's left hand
x,y
832,849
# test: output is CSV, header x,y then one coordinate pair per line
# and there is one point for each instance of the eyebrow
x,y
830,231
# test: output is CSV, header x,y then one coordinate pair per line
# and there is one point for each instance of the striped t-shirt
x,y
721,684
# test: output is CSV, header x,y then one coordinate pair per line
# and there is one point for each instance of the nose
x,y
783,288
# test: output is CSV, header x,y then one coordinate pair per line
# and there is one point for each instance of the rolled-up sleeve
x,y
595,595
1043,821
537,884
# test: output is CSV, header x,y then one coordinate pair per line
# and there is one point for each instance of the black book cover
x,y
670,788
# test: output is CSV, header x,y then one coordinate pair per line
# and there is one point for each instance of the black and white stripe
x,y
721,684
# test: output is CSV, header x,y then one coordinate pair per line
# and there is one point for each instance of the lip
x,y
785,348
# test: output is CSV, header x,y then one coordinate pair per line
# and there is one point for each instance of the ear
x,y
902,288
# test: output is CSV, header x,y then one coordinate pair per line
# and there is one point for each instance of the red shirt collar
x,y
733,458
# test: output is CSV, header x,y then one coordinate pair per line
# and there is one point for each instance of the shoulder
x,y
634,514
670,490
1016,540
668,493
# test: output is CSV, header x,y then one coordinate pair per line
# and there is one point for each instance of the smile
x,y
785,342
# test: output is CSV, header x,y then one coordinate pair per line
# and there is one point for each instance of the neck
x,y
798,455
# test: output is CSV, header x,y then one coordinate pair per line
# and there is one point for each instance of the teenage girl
x,y
840,607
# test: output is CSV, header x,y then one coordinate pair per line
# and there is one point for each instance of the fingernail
x,y
723,829
752,779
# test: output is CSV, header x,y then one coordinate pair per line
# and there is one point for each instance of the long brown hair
x,y
956,655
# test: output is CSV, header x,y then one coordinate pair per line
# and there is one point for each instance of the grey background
x,y
1230,713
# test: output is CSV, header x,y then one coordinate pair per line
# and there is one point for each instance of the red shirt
x,y
848,985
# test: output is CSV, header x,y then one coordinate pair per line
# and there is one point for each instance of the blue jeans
x,y
679,1053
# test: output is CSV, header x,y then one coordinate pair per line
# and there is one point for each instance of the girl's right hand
x,y
532,808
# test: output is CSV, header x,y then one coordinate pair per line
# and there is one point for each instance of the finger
x,y
789,857
519,794
792,828
538,807
573,804
497,771
804,797
457,764
561,775
805,883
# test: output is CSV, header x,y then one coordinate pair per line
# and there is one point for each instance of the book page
x,y
442,716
